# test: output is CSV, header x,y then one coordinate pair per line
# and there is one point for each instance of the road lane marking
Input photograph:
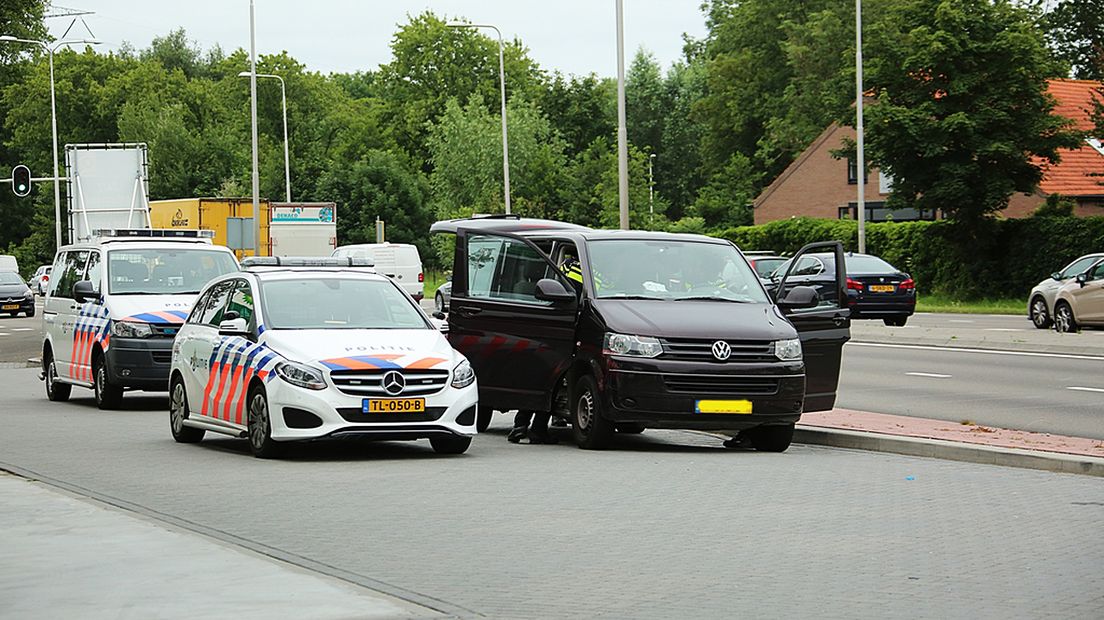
x,y
928,374
1085,389
958,321
923,347
1002,329
22,329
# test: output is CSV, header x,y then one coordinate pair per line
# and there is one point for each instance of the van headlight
x,y
788,350
463,375
634,346
301,375
131,329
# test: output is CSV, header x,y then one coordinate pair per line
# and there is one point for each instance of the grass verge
x,y
940,303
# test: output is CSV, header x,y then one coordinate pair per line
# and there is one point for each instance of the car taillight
x,y
854,285
908,284
421,277
45,278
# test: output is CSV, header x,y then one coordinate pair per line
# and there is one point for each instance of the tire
x,y
261,443
897,321
1038,313
1064,322
630,428
439,302
178,411
592,431
450,444
775,438
55,391
30,313
108,395
483,419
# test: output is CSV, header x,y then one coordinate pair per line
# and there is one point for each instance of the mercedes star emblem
x,y
721,350
393,383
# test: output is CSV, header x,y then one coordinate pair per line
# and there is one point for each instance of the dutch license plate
x,y
10,307
722,406
881,288
393,405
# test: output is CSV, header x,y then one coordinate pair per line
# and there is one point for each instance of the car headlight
x,y
788,350
301,375
635,346
28,294
463,375
131,329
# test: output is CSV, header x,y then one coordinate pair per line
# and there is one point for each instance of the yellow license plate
x,y
10,307
393,405
881,288
723,406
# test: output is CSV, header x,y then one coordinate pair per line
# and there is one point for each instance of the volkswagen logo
x,y
721,350
393,383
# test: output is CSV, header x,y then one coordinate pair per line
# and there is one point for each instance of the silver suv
x,y
1040,305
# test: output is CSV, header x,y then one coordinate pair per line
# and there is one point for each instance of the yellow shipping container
x,y
211,214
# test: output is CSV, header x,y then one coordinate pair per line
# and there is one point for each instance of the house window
x,y
885,183
853,172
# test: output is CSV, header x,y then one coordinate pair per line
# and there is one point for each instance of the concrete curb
x,y
950,451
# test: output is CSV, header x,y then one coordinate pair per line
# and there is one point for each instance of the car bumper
x,y
666,394
300,414
24,305
865,308
140,363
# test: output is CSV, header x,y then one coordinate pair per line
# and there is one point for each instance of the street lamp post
x,y
861,159
53,118
502,93
651,189
622,134
287,159
253,128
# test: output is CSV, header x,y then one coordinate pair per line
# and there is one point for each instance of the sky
x,y
572,36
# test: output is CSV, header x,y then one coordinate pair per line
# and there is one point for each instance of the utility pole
x,y
860,172
622,134
253,120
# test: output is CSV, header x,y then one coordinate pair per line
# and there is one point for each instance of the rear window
x,y
868,264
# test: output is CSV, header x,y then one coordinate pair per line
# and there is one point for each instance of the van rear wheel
x,y
55,391
591,430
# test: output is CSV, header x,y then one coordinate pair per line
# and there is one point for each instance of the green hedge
x,y
1005,258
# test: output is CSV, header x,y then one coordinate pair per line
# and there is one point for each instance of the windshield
x,y
1078,267
672,269
10,277
338,303
764,266
185,271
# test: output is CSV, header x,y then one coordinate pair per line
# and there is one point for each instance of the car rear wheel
x,y
261,443
483,419
108,395
178,410
439,302
896,321
450,444
55,391
1040,317
591,430
774,438
1063,318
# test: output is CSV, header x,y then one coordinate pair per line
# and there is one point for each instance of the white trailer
x,y
107,187
303,228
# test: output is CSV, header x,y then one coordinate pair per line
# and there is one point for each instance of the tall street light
x,y
53,117
651,189
253,128
861,163
287,160
622,134
502,92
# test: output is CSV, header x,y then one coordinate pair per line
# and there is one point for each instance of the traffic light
x,y
21,180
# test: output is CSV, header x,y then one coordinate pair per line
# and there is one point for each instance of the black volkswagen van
x,y
663,331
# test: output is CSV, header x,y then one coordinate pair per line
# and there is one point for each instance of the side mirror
x,y
440,316
85,291
799,298
230,315
234,327
553,291
1082,278
1055,276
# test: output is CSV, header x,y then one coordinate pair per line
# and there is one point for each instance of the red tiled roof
x,y
1080,171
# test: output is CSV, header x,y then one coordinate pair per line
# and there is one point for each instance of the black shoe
x,y
517,434
739,442
541,436
558,422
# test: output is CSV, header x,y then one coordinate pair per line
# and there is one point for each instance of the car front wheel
x,y
1063,318
592,431
483,419
450,444
108,395
1040,317
774,438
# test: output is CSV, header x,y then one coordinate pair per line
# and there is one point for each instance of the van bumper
x,y
140,363
666,394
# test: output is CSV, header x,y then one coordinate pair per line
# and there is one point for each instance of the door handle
x,y
74,307
467,311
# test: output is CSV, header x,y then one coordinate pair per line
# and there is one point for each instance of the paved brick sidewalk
x,y
908,426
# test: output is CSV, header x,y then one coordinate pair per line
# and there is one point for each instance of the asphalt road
x,y
21,337
1050,393
667,525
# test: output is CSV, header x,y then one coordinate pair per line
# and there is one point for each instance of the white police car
x,y
299,349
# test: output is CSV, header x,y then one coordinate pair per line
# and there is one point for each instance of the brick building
x,y
819,185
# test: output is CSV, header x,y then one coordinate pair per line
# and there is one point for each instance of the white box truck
x,y
303,228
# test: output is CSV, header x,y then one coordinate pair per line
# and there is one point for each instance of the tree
x,y
582,108
646,102
678,165
961,105
1075,29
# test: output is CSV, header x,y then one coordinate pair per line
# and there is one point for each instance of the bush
x,y
1004,258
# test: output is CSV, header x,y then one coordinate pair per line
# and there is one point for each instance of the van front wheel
x,y
592,431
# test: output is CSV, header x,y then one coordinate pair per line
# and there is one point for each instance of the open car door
x,y
825,327
512,313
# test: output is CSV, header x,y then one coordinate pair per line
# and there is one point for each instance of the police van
x,y
620,331
294,349
115,304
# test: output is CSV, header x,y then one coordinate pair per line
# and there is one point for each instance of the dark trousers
x,y
539,419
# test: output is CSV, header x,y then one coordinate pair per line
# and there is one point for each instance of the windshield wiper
x,y
634,297
713,298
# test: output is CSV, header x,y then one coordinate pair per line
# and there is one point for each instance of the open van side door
x,y
823,328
